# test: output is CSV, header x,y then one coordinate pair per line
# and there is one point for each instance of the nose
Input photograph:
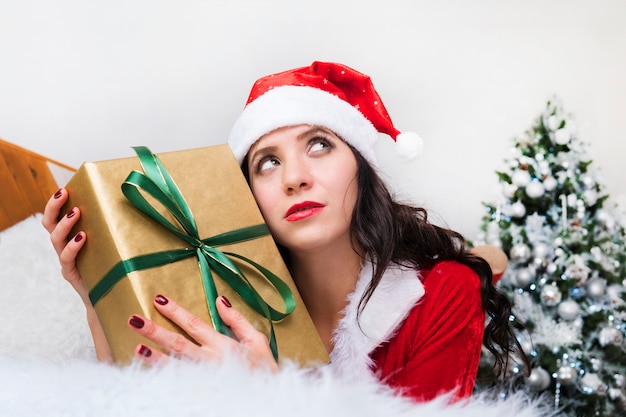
x,y
296,176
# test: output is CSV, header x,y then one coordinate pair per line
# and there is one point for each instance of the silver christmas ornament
x,y
518,209
520,178
562,136
596,288
524,277
553,123
549,183
539,379
568,310
541,250
509,190
610,336
534,189
520,252
550,295
566,375
591,197
592,384
577,323
551,268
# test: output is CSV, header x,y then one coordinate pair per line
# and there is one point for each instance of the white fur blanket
x,y
48,366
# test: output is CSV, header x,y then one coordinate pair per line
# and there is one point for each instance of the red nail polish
x,y
225,301
145,351
78,237
58,194
160,299
71,213
136,322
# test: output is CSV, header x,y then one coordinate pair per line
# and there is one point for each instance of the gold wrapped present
x,y
187,227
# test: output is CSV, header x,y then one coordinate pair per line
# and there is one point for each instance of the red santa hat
x,y
324,94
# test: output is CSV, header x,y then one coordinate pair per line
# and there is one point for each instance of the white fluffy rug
x,y
48,366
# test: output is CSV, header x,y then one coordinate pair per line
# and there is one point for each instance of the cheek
x,y
350,187
351,197
264,199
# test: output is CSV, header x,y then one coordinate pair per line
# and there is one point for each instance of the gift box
x,y
131,224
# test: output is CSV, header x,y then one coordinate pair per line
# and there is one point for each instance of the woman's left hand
x,y
251,345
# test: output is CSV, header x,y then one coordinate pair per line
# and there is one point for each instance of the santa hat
x,y
324,94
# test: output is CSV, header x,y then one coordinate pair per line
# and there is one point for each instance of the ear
x,y
495,257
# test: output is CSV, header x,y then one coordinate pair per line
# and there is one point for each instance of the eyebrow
x,y
313,130
304,135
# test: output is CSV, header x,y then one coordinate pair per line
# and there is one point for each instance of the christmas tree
x,y
567,271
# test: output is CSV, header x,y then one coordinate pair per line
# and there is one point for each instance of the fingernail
x,y
136,322
71,213
145,351
225,301
58,193
78,237
160,299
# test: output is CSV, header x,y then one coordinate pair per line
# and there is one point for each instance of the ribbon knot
x,y
156,181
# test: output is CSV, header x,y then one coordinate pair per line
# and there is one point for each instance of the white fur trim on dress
x,y
294,105
399,290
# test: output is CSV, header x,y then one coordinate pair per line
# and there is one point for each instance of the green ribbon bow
x,y
156,181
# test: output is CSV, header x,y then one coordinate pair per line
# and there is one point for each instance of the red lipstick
x,y
303,210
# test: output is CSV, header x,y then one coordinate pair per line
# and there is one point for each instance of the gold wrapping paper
x,y
214,187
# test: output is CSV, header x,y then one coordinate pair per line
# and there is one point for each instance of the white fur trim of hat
x,y
324,94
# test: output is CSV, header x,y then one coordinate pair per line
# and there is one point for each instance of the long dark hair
x,y
391,232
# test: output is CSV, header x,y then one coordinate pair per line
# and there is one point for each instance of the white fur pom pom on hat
x,y
409,146
325,94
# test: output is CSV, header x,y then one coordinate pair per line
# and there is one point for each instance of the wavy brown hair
x,y
391,232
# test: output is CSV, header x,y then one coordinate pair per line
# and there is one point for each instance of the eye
x,y
266,163
319,145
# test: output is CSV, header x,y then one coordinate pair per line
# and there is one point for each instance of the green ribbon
x,y
156,181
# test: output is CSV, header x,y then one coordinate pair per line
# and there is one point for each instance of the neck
x,y
325,278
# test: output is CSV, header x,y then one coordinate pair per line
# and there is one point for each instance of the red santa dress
x,y
421,332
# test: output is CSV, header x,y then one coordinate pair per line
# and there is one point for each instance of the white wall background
x,y
85,80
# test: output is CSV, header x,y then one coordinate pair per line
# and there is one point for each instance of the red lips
x,y
303,210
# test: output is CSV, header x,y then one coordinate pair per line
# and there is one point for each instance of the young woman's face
x,y
304,179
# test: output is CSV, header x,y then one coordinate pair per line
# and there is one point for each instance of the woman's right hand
x,y
59,225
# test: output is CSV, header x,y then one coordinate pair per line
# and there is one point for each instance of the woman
x,y
391,295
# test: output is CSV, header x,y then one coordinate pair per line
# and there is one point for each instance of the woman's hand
x,y
251,344
67,247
